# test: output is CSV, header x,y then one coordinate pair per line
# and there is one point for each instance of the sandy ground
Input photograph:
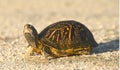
x,y
100,16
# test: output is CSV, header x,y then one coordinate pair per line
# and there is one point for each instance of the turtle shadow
x,y
110,46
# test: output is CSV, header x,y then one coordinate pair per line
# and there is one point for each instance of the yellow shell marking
x,y
58,37
63,33
70,29
52,34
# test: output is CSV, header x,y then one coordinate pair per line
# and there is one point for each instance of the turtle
x,y
60,39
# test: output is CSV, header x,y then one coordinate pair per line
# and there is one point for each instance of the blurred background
x,y
97,15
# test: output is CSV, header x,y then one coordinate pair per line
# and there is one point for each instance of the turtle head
x,y
31,35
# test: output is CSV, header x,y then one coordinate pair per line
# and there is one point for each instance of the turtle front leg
x,y
29,50
37,58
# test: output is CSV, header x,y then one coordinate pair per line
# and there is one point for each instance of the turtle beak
x,y
26,29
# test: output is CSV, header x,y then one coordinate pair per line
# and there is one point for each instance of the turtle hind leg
x,y
48,54
83,51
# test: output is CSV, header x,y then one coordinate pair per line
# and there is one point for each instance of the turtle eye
x,y
29,26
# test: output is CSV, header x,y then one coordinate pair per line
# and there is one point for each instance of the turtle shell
x,y
67,38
